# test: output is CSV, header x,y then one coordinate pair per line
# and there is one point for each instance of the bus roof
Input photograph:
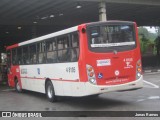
x,y
62,32
110,21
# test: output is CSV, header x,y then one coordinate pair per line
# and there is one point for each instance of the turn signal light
x,y
90,69
139,64
139,69
91,74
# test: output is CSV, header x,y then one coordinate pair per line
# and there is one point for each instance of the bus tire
x,y
17,86
50,92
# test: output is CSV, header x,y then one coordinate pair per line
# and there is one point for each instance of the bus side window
x,y
51,51
33,56
25,55
74,47
73,55
63,49
14,56
41,53
19,56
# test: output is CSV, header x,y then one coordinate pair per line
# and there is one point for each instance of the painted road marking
x,y
149,98
151,84
148,72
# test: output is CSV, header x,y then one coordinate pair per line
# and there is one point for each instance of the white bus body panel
x,y
33,77
67,83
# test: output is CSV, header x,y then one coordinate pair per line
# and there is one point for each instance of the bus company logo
x,y
105,62
38,71
117,72
128,62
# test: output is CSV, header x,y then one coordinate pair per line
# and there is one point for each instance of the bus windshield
x,y
106,38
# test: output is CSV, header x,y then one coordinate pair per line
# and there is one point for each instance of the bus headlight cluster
x,y
138,69
91,74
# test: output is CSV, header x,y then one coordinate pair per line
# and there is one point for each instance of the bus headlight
x,y
91,74
138,69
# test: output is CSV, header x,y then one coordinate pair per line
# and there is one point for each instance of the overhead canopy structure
x,y
20,19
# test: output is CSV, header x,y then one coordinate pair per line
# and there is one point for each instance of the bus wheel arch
x,y
17,84
49,90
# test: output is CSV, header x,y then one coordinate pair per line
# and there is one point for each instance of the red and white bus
x,y
87,59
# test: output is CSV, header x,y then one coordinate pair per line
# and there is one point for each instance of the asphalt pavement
x,y
145,99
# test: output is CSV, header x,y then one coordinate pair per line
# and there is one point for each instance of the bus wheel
x,y
50,92
17,86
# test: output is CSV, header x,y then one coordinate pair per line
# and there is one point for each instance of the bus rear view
x,y
83,60
112,58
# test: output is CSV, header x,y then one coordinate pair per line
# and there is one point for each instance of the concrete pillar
x,y
102,11
159,30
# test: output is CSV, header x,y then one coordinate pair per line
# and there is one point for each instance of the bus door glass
x,y
9,72
8,61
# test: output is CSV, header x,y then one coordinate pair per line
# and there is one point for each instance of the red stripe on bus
x,y
65,80
12,46
52,79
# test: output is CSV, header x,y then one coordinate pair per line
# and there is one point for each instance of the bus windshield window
x,y
111,36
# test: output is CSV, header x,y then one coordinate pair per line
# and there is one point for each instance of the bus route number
x,y
70,69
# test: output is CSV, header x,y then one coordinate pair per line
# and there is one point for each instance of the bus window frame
x,y
27,47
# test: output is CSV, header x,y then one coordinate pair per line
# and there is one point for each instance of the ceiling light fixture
x,y
61,14
35,22
51,16
43,18
19,28
78,5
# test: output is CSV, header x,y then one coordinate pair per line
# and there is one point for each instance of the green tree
x,y
143,31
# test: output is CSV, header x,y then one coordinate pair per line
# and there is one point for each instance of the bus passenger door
x,y
9,72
